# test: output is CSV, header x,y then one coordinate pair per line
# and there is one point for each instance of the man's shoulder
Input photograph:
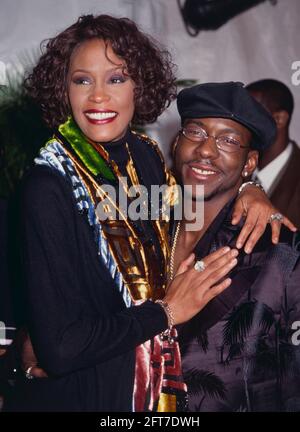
x,y
296,150
228,234
291,170
287,238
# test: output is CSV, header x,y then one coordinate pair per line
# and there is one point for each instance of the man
x,y
278,166
239,353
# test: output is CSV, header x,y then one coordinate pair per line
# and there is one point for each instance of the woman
x,y
104,345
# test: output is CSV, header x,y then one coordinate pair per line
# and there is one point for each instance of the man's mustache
x,y
206,162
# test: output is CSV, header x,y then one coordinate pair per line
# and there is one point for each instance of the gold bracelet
x,y
171,321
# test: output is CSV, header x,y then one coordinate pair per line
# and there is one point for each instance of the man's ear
x,y
281,118
250,164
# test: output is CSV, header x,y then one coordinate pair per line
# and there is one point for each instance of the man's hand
x,y
256,206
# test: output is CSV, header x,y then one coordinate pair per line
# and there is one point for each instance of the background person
x,y
278,165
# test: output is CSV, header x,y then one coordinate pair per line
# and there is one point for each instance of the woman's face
x,y
100,94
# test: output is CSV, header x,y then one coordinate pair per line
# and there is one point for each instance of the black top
x,y
83,334
147,174
6,314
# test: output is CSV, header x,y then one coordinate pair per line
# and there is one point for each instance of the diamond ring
x,y
199,266
276,216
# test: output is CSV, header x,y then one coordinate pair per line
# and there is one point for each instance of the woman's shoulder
x,y
40,177
149,145
49,171
151,159
45,187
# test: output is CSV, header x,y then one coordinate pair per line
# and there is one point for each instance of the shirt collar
x,y
270,172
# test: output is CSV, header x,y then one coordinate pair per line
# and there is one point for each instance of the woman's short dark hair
x,y
149,66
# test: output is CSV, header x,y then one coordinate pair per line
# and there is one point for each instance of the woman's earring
x,y
245,174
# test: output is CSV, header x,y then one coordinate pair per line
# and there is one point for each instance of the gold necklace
x,y
172,255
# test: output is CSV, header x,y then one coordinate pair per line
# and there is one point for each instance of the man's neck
x,y
212,207
275,149
187,239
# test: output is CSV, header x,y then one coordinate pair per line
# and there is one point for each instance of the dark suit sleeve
x,y
291,301
67,336
290,352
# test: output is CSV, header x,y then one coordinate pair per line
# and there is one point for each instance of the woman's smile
x,y
100,116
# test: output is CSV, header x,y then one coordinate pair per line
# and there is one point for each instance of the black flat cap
x,y
229,100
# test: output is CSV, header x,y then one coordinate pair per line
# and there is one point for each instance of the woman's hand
x,y
29,361
191,290
256,206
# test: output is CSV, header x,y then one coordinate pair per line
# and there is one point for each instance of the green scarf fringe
x,y
84,150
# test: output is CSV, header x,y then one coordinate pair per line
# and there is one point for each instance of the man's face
x,y
203,163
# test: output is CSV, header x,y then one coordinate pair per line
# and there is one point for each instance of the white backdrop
x,y
260,43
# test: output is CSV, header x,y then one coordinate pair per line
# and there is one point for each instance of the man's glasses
x,y
224,143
